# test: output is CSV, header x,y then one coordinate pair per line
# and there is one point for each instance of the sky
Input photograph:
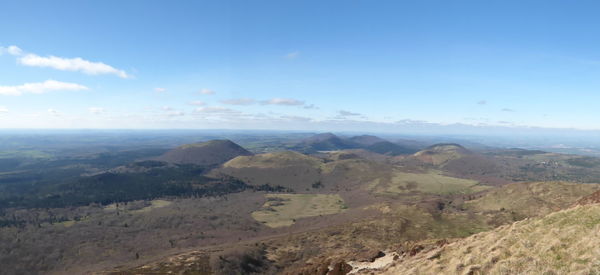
x,y
300,65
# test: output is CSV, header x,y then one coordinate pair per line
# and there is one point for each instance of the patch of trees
x,y
270,188
107,188
242,260
317,184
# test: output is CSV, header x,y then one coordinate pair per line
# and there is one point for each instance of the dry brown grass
x,y
565,242
441,154
283,209
432,182
273,160
532,198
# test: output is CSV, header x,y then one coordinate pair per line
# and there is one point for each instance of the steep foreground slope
x,y
530,199
564,242
205,153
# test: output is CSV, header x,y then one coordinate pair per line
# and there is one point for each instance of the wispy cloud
x,y
40,88
3,110
412,122
53,112
296,118
292,55
207,92
168,111
160,90
310,107
215,110
239,101
174,113
283,101
77,64
482,102
96,110
507,110
348,113
12,50
197,103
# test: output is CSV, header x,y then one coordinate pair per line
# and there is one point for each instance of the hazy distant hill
x,y
389,148
325,142
441,153
331,142
206,153
366,140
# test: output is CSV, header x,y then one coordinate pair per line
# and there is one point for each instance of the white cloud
x,y
347,115
174,113
239,101
283,101
197,103
77,64
292,55
96,110
215,110
12,50
3,110
40,88
507,110
207,92
160,90
71,64
412,122
167,108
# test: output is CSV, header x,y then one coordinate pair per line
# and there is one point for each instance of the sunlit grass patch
x,y
431,183
283,209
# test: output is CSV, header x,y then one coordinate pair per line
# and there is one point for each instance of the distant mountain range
x,y
342,203
331,142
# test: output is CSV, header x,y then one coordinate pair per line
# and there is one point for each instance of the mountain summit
x,y
325,142
441,153
212,152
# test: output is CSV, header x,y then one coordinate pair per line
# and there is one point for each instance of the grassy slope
x,y
533,198
440,154
288,169
394,225
302,173
273,160
564,242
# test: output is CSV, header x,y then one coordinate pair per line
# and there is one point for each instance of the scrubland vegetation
x,y
193,211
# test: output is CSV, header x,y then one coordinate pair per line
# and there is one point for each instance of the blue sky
x,y
303,65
